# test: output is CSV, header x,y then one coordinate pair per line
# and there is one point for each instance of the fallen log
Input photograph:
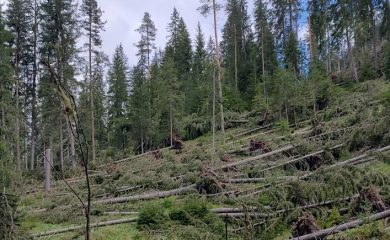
x,y
257,180
343,227
147,196
300,158
251,159
74,228
349,161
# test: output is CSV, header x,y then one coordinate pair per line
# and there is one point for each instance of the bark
x,y
95,225
235,57
251,159
148,196
344,227
3,125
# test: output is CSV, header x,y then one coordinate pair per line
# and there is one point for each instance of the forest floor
x,y
315,175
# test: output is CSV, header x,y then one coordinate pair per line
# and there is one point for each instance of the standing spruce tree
x,y
265,45
118,100
286,15
179,49
92,25
140,98
343,19
58,54
171,99
235,43
146,45
6,83
19,24
34,82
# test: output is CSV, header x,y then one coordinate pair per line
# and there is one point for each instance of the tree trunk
x,y
214,97
235,57
148,196
218,63
95,225
3,125
34,87
61,145
251,159
17,120
352,58
47,166
91,87
321,234
72,145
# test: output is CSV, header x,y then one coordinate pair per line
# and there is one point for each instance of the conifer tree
x,y
92,25
118,86
19,23
58,37
146,45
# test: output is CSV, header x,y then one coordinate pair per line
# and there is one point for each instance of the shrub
x,y
152,216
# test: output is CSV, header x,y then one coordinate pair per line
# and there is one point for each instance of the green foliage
x,y
152,216
283,127
332,219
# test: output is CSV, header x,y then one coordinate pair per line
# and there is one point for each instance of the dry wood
x,y
346,226
251,159
160,194
74,228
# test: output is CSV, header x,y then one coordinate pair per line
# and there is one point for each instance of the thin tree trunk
x,y
3,126
235,57
218,63
47,166
353,65
171,123
214,97
17,120
91,87
72,145
263,69
61,145
34,87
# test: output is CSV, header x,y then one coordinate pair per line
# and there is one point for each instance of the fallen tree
x,y
95,225
160,194
294,160
251,159
343,227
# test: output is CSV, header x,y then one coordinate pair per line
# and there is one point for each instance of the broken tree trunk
x,y
251,159
343,227
74,228
148,196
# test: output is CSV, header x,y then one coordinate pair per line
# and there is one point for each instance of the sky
x,y
124,16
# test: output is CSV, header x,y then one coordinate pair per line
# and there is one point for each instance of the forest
x,y
271,124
